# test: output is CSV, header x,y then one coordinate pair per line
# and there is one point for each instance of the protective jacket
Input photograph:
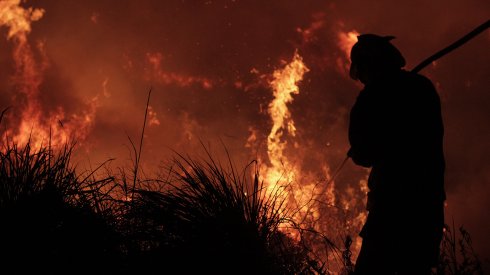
x,y
396,129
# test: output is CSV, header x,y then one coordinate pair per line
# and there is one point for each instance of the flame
x,y
284,86
18,19
35,126
309,34
346,41
158,74
284,173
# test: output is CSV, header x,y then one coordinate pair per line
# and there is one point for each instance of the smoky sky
x,y
209,62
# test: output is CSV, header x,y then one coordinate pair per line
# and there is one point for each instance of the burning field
x,y
263,81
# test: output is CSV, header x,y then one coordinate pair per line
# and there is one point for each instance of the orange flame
x,y
18,19
282,172
157,73
35,126
284,85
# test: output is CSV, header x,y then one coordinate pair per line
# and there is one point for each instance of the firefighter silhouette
x,y
396,129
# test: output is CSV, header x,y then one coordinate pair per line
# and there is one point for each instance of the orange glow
x,y
345,42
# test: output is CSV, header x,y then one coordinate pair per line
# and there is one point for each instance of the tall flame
x,y
284,85
36,126
282,172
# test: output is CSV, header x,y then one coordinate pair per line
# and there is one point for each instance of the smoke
x,y
210,63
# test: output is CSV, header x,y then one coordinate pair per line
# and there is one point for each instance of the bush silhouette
x,y
213,220
48,224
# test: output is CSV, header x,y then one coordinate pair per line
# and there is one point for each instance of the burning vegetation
x,y
277,215
35,124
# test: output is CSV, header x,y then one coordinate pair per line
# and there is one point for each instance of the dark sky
x,y
209,63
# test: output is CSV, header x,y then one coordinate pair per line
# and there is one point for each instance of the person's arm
x,y
360,132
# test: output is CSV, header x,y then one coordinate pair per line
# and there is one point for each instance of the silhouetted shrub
x,y
48,224
457,255
209,219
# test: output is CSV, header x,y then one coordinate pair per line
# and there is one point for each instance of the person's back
x,y
396,128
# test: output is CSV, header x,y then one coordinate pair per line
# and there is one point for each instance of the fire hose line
x,y
481,28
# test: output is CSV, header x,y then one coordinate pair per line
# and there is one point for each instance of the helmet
x,y
374,52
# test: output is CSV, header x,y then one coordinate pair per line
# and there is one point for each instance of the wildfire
x,y
35,125
40,125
